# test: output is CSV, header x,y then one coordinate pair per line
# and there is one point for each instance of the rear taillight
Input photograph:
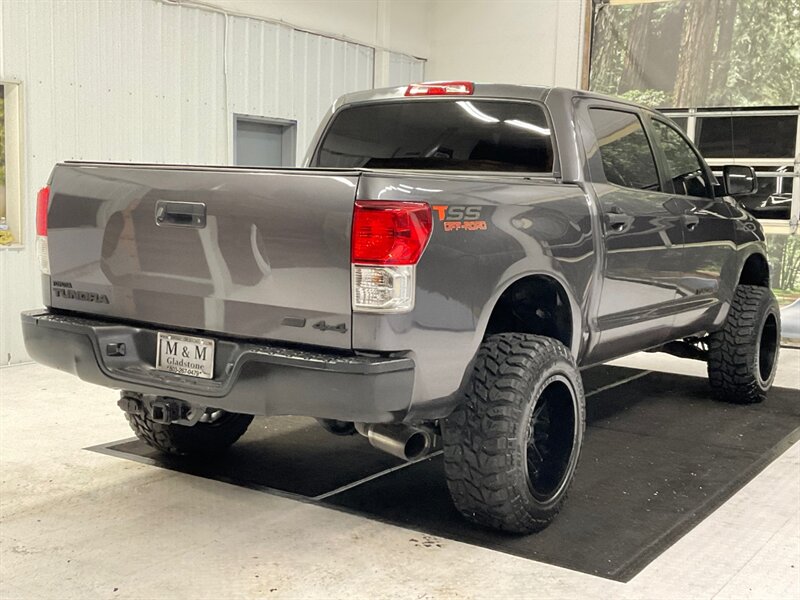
x,y
390,233
441,88
42,252
42,204
387,241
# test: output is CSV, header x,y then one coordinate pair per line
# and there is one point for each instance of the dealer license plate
x,y
185,355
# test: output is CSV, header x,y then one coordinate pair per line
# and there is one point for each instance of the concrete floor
x,y
77,524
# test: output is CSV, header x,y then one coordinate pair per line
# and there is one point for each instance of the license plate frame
x,y
187,355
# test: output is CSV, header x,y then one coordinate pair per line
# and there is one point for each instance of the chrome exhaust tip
x,y
403,441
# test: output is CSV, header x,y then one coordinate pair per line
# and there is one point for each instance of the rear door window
x,y
471,135
624,150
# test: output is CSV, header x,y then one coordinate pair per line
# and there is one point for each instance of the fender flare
x,y
576,314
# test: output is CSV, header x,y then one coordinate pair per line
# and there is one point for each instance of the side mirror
x,y
739,180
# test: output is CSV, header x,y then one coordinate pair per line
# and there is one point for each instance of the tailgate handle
x,y
170,213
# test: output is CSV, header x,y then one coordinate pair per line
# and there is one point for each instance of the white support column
x,y
381,64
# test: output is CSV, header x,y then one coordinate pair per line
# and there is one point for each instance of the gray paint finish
x,y
277,242
535,226
276,245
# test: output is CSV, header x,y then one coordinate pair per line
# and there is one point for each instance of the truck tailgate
x,y
254,253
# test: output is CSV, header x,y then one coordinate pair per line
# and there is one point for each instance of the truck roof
x,y
483,90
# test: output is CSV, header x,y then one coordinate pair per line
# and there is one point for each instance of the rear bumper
x,y
248,377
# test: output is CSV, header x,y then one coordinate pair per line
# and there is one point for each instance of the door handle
x,y
617,220
170,213
690,221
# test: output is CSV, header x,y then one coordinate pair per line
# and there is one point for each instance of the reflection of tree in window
x,y
697,53
624,150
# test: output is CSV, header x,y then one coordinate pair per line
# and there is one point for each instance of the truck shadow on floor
x,y
659,456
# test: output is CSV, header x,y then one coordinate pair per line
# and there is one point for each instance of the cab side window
x,y
624,150
685,169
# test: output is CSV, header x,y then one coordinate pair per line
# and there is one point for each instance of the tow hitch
x,y
161,409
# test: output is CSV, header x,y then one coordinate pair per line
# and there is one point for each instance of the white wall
x,y
145,81
533,42
508,41
399,25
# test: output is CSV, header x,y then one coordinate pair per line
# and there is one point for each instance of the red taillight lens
x,y
441,88
390,232
42,204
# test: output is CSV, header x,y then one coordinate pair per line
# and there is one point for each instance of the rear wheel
x,y
743,355
216,431
512,446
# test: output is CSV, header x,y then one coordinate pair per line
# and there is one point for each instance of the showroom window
x,y
10,164
681,122
264,142
757,136
768,139
624,150
763,138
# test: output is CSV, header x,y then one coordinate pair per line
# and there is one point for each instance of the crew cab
x,y
448,259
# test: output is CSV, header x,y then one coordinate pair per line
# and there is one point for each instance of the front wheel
x,y
512,446
743,355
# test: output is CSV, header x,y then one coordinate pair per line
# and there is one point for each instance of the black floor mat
x,y
658,457
296,456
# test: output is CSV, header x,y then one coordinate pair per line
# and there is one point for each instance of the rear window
x,y
466,135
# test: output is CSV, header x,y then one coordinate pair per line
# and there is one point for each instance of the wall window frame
x,y
693,114
12,209
782,235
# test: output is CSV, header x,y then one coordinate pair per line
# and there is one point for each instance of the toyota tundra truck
x,y
447,261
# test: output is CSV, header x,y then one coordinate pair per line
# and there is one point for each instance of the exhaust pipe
x,y
403,441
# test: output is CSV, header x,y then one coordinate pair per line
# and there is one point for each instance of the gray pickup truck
x,y
448,260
